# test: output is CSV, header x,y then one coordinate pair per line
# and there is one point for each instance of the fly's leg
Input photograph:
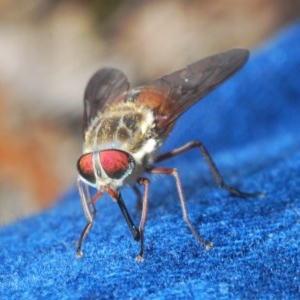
x,y
139,198
89,213
145,183
174,172
217,176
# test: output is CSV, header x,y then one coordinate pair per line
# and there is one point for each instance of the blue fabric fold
x,y
251,127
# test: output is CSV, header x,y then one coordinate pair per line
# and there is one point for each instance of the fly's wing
x,y
172,94
106,86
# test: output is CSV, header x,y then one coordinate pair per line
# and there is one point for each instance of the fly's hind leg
x,y
217,176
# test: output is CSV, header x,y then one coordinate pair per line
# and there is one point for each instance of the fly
x,y
124,129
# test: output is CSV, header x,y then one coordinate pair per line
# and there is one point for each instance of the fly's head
x,y
105,168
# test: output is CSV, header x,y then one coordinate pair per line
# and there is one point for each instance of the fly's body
x,y
124,129
128,127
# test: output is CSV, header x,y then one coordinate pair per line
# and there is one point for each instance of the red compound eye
x,y
116,163
86,168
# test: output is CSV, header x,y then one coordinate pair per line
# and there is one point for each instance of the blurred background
x,y
50,48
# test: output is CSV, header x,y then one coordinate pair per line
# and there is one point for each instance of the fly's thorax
x,y
127,126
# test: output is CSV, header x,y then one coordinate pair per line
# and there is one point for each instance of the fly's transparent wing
x,y
172,94
105,87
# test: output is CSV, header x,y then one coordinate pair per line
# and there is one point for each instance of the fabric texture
x,y
251,127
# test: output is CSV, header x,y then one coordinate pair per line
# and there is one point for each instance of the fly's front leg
x,y
173,172
116,195
217,176
145,183
90,215
139,198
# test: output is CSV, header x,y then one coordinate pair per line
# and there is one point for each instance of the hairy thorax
x,y
127,126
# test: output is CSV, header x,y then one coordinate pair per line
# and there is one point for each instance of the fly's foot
x,y
139,258
79,253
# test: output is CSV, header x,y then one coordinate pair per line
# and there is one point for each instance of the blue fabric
x,y
251,125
